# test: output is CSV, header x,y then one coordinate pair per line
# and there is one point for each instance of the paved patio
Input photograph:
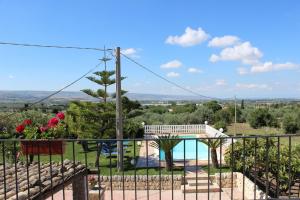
x,y
155,195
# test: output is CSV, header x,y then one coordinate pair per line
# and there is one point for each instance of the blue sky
x,y
216,48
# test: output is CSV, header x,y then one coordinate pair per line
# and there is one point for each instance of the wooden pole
x,y
119,118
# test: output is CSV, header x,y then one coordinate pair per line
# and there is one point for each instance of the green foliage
x,y
133,129
166,143
223,115
91,120
255,152
261,117
158,109
221,124
204,114
102,78
242,104
188,108
213,105
289,123
129,105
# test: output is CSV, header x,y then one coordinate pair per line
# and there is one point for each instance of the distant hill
x,y
66,96
31,96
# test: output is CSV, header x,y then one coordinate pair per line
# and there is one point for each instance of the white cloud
x,y
194,70
173,74
11,76
243,52
253,86
171,64
221,82
269,66
242,70
130,52
227,40
190,37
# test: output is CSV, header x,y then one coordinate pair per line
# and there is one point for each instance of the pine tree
x,y
242,104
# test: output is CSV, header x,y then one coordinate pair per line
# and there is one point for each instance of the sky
x,y
215,48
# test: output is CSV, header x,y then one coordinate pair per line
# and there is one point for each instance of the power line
x,y
52,46
56,92
163,78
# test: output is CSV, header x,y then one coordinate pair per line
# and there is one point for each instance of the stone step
x,y
199,177
198,182
200,189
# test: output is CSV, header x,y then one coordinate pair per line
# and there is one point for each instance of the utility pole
x,y
235,115
119,118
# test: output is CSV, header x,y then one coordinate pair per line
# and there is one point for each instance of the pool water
x,y
190,150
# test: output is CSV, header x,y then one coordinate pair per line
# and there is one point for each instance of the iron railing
x,y
247,167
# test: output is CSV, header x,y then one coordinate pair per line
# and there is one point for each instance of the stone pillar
x,y
80,190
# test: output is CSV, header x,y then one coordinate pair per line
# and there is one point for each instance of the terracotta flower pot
x,y
43,147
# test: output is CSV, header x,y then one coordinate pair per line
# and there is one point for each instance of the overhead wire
x,y
52,46
167,80
56,92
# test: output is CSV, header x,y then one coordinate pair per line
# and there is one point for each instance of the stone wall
x,y
141,182
226,182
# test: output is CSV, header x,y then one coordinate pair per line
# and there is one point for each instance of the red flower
x,y
53,122
60,115
27,122
43,129
20,128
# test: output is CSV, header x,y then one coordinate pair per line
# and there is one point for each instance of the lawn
x,y
107,164
246,129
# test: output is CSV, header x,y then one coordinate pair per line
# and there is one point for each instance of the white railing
x,y
212,132
174,129
154,130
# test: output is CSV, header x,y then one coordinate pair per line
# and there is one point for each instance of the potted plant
x,y
46,139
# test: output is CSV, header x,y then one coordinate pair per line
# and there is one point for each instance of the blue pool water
x,y
190,150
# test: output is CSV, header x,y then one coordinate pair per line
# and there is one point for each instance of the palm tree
x,y
213,144
166,143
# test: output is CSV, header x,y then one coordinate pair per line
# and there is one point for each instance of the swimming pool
x,y
190,150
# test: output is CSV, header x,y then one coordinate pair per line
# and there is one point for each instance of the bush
x,y
221,124
224,116
260,118
213,105
256,151
289,123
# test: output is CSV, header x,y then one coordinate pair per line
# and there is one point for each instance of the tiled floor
x,y
156,195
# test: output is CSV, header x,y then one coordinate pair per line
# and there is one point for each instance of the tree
x,y
261,117
204,114
104,79
242,104
221,124
223,115
213,105
289,123
213,144
166,143
92,120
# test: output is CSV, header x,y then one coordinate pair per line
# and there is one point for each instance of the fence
x,y
254,167
174,129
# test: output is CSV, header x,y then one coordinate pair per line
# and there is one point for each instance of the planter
x,y
43,147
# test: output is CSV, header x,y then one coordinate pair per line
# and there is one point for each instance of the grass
x,y
246,129
213,170
108,165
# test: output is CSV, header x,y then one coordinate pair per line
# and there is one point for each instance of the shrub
x,y
224,116
213,105
260,118
221,124
289,123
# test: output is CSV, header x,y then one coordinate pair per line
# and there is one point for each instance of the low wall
x,y
141,182
226,181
